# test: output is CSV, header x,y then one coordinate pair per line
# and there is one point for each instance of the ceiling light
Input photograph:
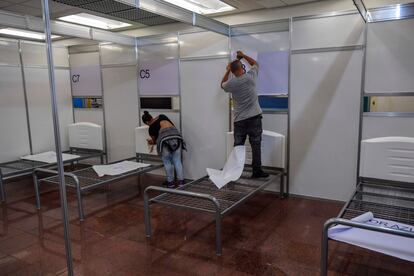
x,y
24,33
202,6
94,21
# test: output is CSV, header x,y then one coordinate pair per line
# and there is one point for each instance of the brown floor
x,y
266,236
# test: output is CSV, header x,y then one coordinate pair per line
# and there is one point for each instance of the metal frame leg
x,y
324,250
79,198
147,215
218,233
36,184
2,191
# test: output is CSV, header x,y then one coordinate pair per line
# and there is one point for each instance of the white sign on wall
x,y
85,74
273,78
158,77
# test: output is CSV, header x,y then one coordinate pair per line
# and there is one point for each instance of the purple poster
x,y
273,71
158,77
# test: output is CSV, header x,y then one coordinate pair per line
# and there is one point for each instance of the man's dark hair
x,y
235,65
146,118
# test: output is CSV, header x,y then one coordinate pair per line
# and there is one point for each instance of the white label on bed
x,y
397,246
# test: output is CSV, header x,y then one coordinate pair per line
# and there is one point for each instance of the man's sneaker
x,y
180,183
171,185
259,174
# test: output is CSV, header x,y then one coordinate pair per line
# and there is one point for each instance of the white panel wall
x,y
390,58
328,32
203,44
205,115
89,115
266,42
374,127
325,98
276,122
87,65
117,54
121,111
39,104
14,137
35,54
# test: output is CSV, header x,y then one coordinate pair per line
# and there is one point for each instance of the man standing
x,y
247,111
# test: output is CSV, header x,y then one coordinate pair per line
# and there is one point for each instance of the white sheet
x,y
400,247
118,168
49,157
232,170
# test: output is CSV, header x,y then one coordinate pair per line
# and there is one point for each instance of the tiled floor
x,y
266,236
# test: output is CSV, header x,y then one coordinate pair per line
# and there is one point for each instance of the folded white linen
x,y
397,246
118,168
232,170
49,157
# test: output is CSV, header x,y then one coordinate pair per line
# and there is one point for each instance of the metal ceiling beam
x,y
359,4
392,12
9,19
174,12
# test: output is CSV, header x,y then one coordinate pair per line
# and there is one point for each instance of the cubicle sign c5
x,y
158,77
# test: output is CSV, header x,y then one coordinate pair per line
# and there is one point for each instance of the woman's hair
x,y
146,118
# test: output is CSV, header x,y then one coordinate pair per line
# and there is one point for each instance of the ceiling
x,y
33,7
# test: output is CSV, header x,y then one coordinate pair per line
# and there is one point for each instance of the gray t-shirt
x,y
243,90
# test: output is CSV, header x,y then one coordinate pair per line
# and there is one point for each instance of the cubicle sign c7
x,y
273,78
86,80
158,77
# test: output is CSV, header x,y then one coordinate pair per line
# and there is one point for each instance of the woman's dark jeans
x,y
251,127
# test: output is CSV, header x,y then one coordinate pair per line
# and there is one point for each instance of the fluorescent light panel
x,y
202,6
24,33
94,21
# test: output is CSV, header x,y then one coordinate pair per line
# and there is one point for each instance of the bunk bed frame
x,y
203,196
18,168
86,179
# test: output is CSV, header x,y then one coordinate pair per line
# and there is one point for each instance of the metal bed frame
x,y
18,168
388,200
202,195
86,179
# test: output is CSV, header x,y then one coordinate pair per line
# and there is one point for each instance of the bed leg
x,y
282,186
37,192
102,159
324,251
218,234
2,192
147,215
79,197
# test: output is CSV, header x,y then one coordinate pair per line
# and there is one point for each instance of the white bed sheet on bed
x,y
49,157
118,168
232,170
397,246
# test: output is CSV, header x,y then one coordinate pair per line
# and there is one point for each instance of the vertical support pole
x,y
289,109
2,192
147,215
179,79
137,74
324,251
103,103
230,114
26,103
37,192
62,185
218,233
361,108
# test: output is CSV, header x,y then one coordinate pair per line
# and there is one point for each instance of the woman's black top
x,y
154,128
